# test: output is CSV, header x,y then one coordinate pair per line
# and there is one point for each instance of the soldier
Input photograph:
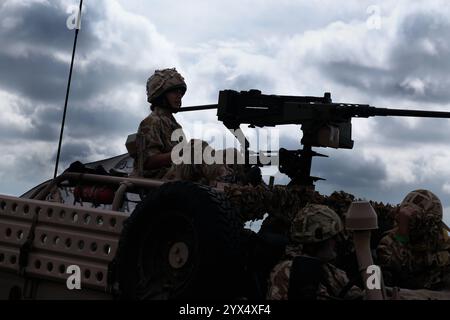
x,y
159,133
308,274
415,254
165,90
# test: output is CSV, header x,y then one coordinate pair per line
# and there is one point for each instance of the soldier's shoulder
x,y
279,281
150,122
282,268
281,272
152,118
336,275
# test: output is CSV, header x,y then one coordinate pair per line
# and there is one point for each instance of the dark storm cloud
x,y
74,151
423,43
103,77
37,77
420,53
369,79
40,31
251,81
43,25
31,166
348,170
101,122
41,77
241,82
344,169
29,67
34,167
38,25
396,132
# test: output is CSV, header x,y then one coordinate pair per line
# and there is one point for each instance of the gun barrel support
x,y
323,122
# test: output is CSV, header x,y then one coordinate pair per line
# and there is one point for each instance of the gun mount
x,y
324,123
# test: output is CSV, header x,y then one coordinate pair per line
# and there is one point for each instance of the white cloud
x,y
128,37
11,113
446,188
415,84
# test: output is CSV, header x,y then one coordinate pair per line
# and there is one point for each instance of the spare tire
x,y
181,242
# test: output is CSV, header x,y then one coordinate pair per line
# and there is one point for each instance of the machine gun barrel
x,y
372,111
324,123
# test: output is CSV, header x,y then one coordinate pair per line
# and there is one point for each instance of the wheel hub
x,y
178,255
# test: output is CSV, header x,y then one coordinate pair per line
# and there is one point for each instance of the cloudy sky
x,y
385,53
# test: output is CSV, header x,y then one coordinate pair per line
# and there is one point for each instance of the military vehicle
x,y
134,238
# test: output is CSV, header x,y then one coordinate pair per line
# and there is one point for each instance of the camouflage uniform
x,y
313,224
154,137
423,260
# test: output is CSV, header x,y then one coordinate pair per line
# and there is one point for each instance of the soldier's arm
x,y
278,286
393,248
335,284
392,257
152,145
385,251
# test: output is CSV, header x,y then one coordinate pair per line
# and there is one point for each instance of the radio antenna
x,y
77,29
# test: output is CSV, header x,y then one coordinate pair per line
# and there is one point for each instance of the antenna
x,y
77,29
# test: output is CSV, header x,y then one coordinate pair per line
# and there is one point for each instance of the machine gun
x,y
324,123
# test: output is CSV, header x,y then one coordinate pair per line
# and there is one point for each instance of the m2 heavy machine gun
x,y
324,123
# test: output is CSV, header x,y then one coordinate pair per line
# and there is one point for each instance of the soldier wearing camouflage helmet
x,y
310,274
163,87
165,90
415,254
159,133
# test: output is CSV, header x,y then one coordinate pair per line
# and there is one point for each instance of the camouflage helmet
x,y
427,204
315,223
162,81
